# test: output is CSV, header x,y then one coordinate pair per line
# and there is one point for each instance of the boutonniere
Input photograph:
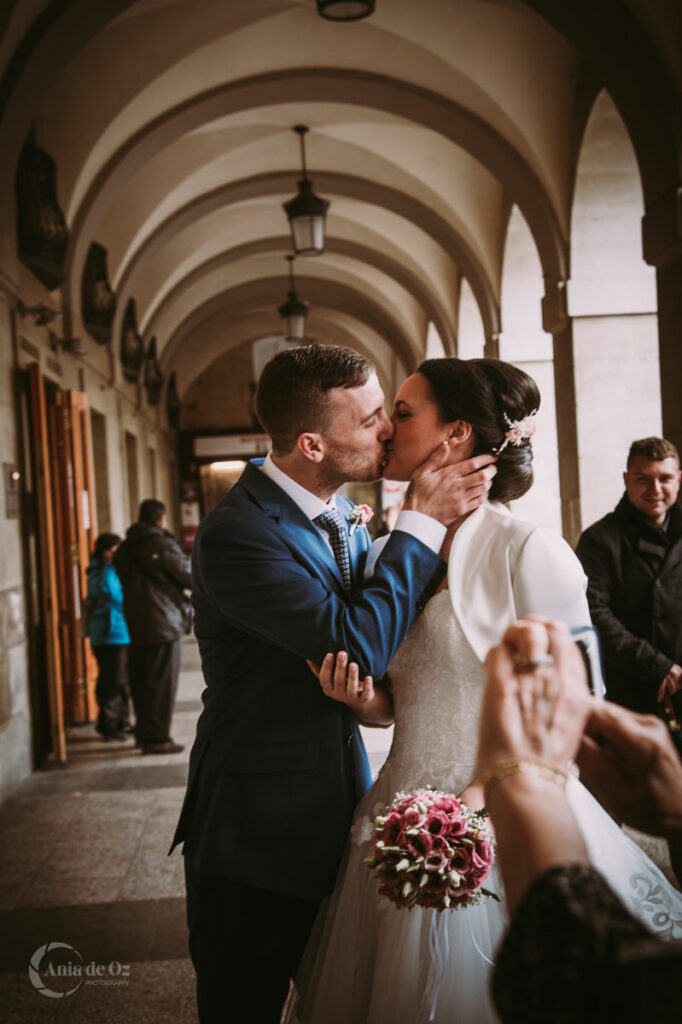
x,y
359,515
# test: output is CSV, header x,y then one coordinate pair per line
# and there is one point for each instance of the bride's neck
x,y
447,543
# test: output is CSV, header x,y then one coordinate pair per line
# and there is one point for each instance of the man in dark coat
x,y
633,561
154,574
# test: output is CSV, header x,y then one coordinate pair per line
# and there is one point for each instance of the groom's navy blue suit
x,y
276,768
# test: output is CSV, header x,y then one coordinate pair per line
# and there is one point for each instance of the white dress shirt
x,y
429,531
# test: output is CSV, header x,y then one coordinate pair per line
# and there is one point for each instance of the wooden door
x,y
85,525
67,553
48,559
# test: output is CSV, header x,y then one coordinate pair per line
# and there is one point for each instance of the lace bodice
x,y
437,683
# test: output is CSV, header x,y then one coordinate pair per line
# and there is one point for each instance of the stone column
x,y
662,238
555,321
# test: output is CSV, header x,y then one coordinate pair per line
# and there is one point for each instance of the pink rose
x,y
401,806
436,861
482,854
458,825
413,817
461,860
441,845
438,822
435,884
476,878
449,804
393,827
419,845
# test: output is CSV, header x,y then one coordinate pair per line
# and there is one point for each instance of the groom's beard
x,y
343,465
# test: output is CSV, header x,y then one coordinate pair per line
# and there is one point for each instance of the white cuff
x,y
429,531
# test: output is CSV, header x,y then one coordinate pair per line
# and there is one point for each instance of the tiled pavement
x,y
83,862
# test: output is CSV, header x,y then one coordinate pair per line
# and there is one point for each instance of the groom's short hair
x,y
292,396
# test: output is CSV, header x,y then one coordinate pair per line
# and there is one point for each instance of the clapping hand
x,y
536,701
631,765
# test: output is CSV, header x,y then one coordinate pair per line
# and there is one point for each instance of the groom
x,y
276,768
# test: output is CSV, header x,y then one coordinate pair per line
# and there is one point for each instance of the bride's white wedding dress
x,y
371,963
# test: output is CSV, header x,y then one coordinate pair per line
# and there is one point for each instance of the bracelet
x,y
504,769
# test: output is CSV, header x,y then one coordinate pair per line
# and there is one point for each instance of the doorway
x,y
58,424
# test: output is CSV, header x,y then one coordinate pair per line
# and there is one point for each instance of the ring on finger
x,y
530,664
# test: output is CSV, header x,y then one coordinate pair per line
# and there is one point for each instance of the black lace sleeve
x,y
575,955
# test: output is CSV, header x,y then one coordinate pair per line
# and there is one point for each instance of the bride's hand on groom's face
x,y
341,680
536,701
447,491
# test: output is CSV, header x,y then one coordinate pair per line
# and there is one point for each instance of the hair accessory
x,y
519,430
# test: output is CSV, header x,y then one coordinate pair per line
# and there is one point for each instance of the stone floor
x,y
83,862
84,865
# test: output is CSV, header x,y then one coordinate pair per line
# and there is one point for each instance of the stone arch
x,y
266,293
524,343
392,268
442,232
365,90
612,304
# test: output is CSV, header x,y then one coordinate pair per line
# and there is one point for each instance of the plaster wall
x,y
123,408
15,719
619,400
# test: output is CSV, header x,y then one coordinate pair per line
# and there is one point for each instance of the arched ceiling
x,y
170,124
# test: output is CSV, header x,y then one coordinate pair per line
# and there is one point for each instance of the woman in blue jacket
x,y
109,638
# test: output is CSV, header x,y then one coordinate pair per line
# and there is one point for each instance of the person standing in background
x,y
155,575
109,639
633,561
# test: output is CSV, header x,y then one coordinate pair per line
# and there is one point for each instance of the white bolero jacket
x,y
502,568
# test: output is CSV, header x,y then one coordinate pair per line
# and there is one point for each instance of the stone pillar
x,y
555,321
662,239
669,288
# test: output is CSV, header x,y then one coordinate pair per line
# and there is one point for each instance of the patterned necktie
x,y
332,523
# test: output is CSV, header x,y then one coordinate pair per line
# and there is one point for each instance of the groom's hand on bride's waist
x,y
340,680
447,491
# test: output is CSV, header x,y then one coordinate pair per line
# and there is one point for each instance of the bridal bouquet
x,y
430,850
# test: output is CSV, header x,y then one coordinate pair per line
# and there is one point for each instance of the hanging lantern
x,y
307,213
345,10
294,311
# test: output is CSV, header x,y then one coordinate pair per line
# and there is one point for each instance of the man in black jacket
x,y
633,561
154,574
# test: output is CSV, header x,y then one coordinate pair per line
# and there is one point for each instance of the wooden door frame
x,y
48,562
66,541
86,526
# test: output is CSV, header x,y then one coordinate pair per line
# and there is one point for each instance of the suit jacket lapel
x,y
290,519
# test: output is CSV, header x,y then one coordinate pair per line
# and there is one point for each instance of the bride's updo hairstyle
x,y
480,392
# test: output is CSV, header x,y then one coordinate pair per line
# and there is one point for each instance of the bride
x,y
369,962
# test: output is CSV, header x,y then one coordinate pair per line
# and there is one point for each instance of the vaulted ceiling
x,y
170,122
